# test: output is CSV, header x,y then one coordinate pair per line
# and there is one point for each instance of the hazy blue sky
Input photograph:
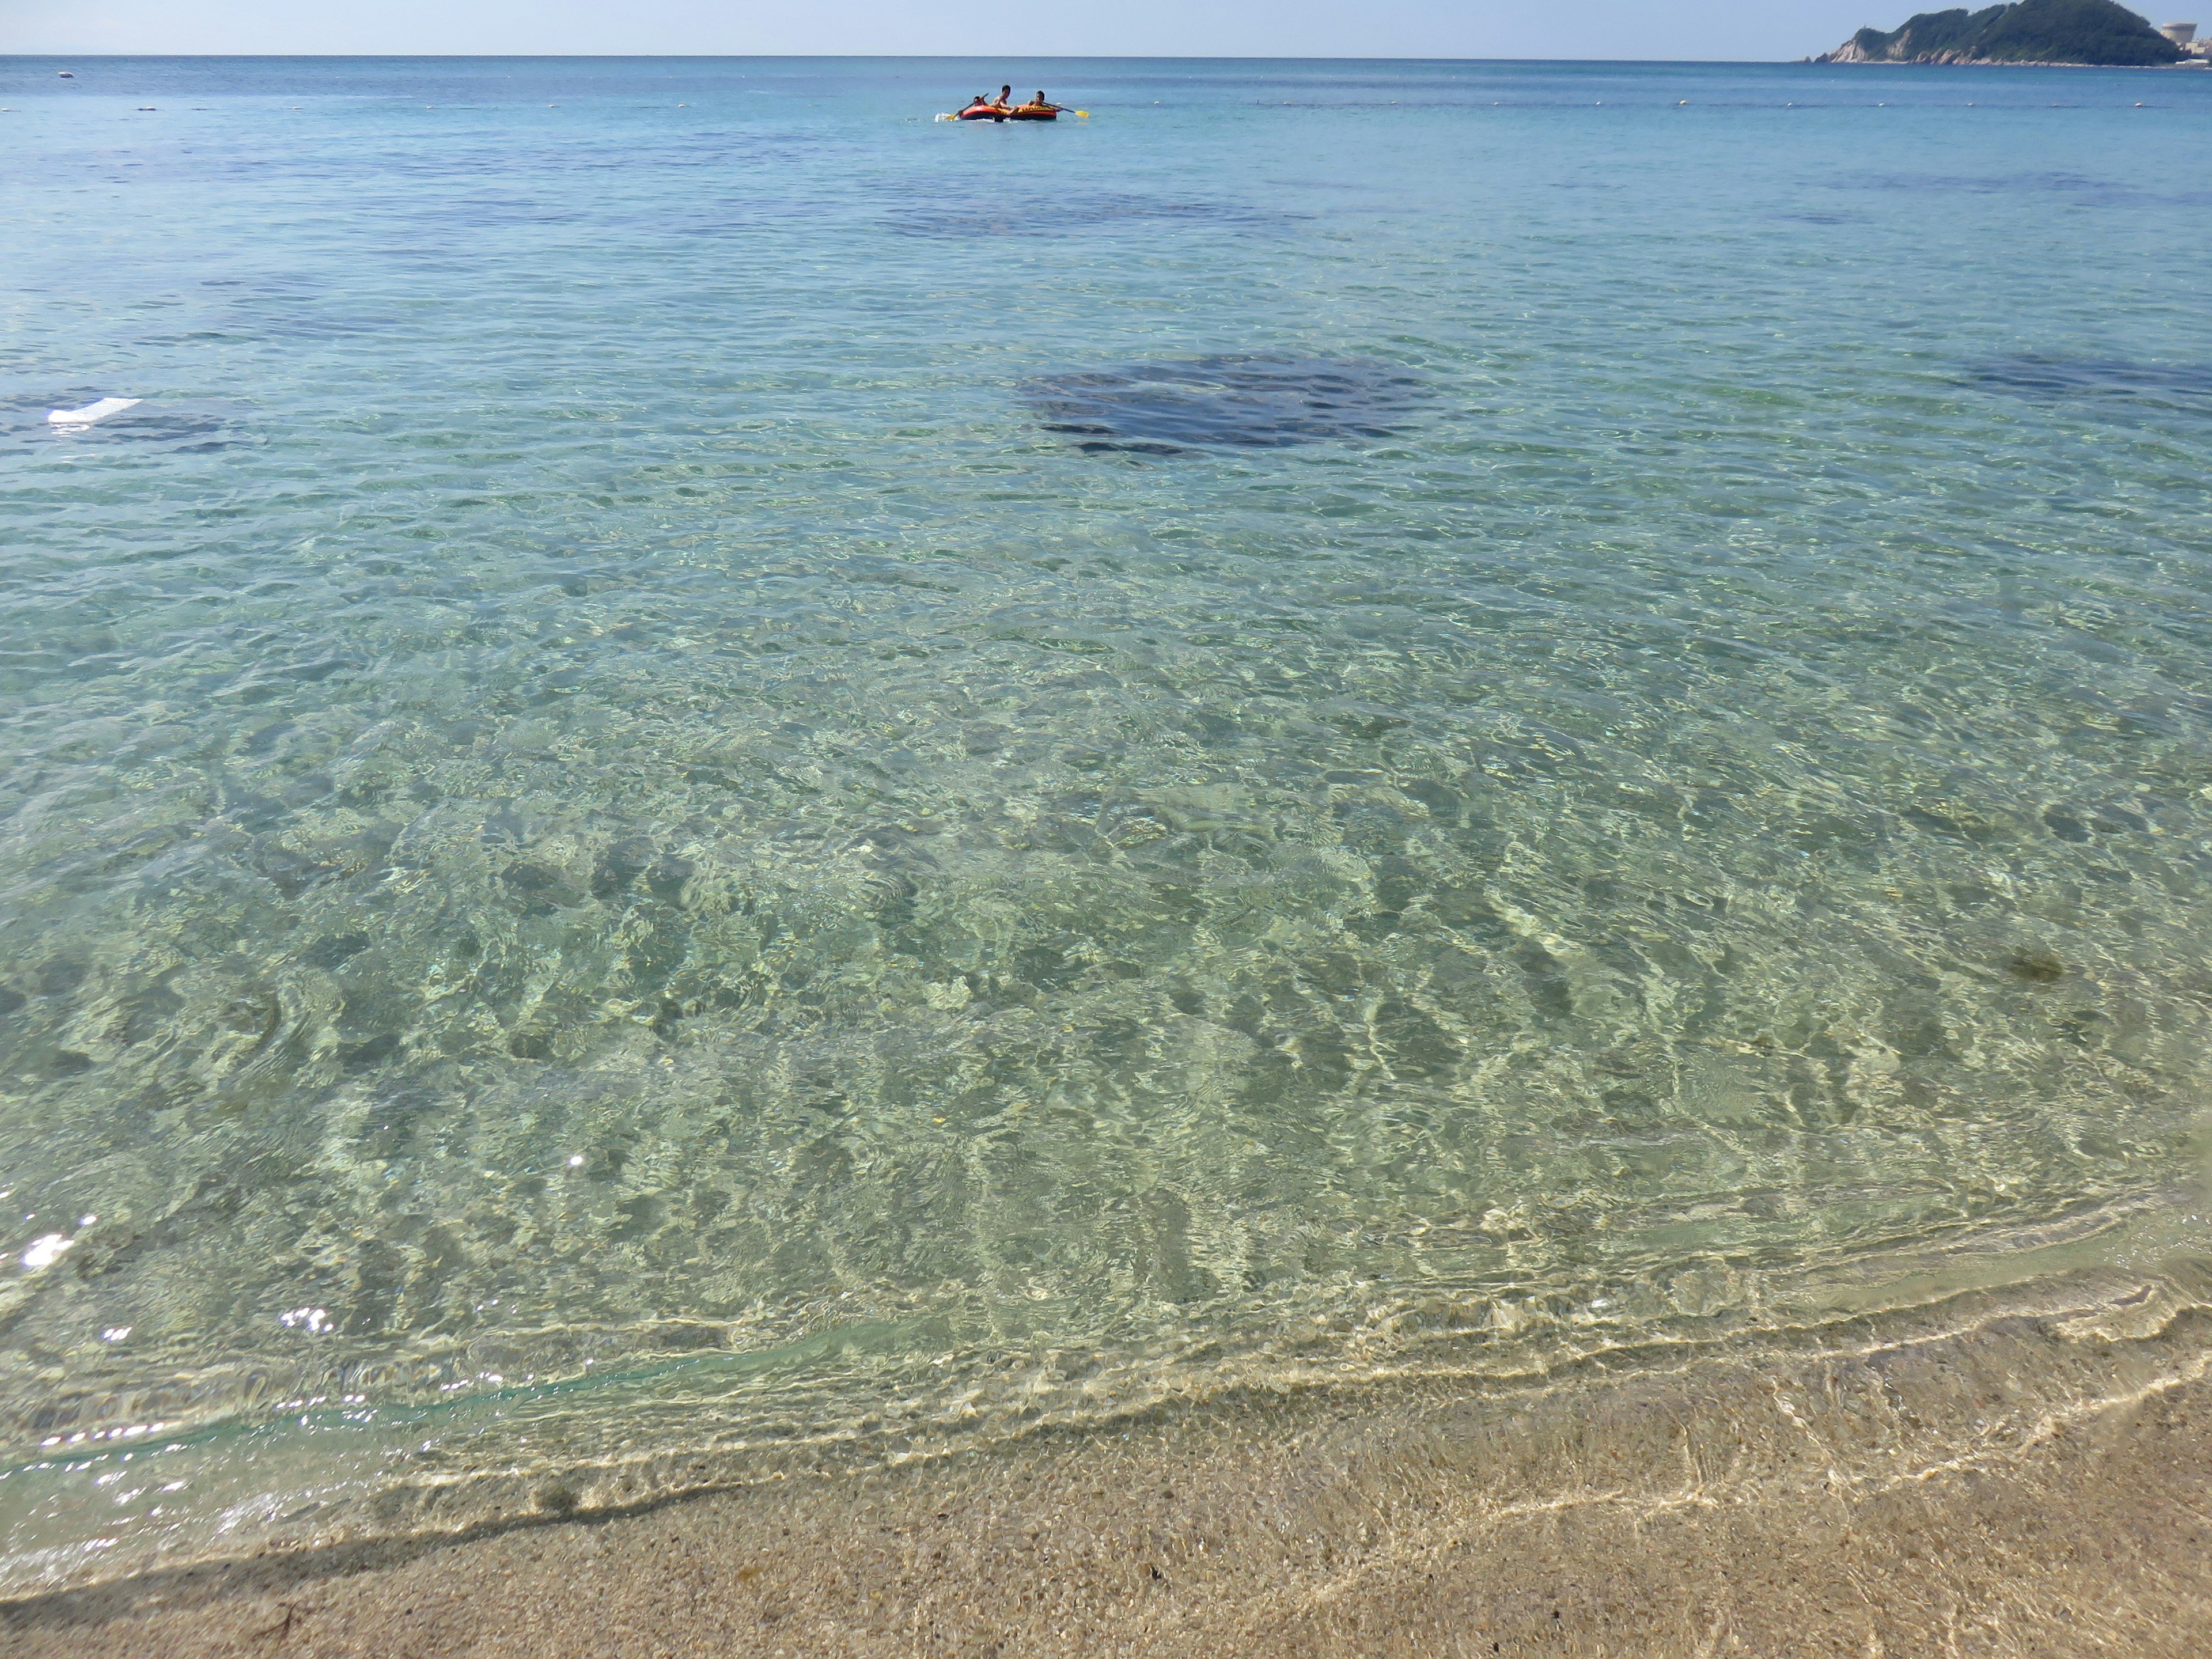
x,y
1365,28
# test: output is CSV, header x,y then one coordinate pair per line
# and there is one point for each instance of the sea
x,y
722,780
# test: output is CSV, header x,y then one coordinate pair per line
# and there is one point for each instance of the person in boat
x,y
1039,105
1004,92
979,106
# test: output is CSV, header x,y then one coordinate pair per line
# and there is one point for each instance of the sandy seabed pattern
x,y
1046,853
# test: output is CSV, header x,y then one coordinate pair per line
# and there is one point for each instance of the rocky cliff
x,y
2030,32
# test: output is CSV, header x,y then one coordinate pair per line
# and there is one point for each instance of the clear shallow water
x,y
721,772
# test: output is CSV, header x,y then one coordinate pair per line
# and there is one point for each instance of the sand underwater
x,y
1379,859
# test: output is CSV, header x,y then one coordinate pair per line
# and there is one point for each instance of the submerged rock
x,y
1248,402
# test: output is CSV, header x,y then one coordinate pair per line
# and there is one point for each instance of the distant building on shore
x,y
2185,36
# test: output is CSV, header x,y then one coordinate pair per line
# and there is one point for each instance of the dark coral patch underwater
x,y
1252,402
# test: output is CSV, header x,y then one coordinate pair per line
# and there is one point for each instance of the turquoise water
x,y
722,774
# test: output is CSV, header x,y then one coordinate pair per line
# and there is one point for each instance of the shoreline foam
x,y
2012,1475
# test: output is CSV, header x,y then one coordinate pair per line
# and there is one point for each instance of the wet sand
x,y
1984,1483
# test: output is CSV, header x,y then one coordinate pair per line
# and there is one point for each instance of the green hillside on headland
x,y
2088,31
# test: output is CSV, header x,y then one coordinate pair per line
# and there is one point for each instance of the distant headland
x,y
2071,32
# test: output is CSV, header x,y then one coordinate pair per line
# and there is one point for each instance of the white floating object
x,y
44,1252
91,412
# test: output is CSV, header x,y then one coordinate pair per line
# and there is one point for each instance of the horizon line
x,y
947,57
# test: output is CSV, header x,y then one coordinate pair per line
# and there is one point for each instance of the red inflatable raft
x,y
982,111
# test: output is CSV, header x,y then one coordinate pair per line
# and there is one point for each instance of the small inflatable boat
x,y
983,111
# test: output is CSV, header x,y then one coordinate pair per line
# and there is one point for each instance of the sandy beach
x,y
1972,1480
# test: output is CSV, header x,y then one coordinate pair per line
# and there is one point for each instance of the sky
x,y
1701,29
